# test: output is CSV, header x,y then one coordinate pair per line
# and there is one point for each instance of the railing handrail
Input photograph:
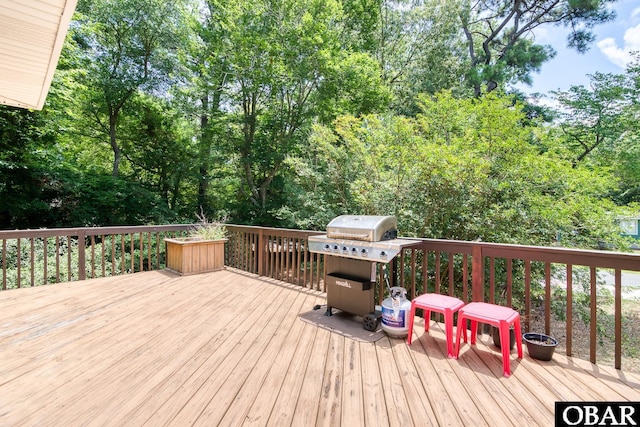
x,y
554,254
90,231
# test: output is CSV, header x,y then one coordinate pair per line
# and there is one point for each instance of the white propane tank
x,y
395,313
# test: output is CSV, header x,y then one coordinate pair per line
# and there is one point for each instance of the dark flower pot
x,y
495,333
540,346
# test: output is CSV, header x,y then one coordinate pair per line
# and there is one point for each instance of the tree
x,y
415,44
127,46
463,169
499,35
204,82
23,144
287,67
591,118
599,127
156,142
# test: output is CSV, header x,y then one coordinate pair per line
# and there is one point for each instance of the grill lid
x,y
367,228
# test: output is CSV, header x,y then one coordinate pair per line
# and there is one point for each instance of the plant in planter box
x,y
201,252
208,230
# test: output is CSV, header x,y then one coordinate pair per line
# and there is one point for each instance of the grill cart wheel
x,y
370,322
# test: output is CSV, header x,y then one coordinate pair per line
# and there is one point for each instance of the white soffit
x,y
32,33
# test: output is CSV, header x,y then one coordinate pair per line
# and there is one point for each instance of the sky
x,y
610,52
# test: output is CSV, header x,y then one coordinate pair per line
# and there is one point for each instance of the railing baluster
x,y
306,264
569,311
509,267
31,265
19,263
492,280
547,301
132,250
82,262
69,258
45,260
157,251
103,260
280,258
618,319
122,254
593,321
269,256
425,271
451,278
477,273
57,259
113,255
141,253
4,264
527,289
413,273
295,261
437,271
247,251
93,256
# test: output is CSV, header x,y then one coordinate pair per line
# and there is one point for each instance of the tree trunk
x,y
205,147
113,120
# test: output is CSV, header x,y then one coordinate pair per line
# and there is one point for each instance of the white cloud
x,y
621,56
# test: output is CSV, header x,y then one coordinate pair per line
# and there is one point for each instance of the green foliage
x,y
462,169
499,36
599,128
45,193
157,145
24,144
125,46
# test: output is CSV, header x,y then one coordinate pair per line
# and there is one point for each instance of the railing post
x,y
477,273
82,268
261,248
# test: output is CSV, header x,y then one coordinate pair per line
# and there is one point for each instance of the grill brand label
x,y
343,283
597,414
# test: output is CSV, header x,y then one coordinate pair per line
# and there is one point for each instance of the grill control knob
x,y
327,248
363,252
383,254
335,248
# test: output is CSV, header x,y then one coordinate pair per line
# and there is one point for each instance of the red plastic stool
x,y
492,314
439,303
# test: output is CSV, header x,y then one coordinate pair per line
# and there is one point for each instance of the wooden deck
x,y
228,348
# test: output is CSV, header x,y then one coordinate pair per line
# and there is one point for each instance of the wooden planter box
x,y
193,255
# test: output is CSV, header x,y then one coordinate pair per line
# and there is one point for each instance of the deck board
x,y
227,348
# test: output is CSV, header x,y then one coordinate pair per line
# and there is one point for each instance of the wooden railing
x,y
555,289
540,282
38,257
283,255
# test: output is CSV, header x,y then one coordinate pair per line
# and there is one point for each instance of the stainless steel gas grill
x,y
353,245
